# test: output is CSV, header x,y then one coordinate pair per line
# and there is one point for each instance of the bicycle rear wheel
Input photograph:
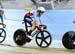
x,y
2,35
19,37
68,40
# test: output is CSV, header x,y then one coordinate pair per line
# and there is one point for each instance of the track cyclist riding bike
x,y
29,18
33,27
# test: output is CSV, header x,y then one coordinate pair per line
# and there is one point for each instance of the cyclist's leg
x,y
32,28
28,20
1,18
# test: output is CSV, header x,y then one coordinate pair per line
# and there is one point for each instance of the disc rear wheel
x,y
19,37
69,39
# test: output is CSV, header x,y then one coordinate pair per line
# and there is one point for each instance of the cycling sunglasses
x,y
40,11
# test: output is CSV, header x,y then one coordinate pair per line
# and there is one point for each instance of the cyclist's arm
x,y
23,19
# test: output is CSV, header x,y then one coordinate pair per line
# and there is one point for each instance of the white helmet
x,y
41,9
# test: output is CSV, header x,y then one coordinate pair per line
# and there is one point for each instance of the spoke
x,y
42,34
41,42
2,32
39,37
47,37
1,36
46,42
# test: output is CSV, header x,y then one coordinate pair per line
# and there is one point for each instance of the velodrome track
x,y
58,22
57,18
4,49
8,49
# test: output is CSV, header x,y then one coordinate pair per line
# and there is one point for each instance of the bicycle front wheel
x,y
43,39
2,35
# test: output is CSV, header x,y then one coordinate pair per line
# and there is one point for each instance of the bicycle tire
x,y
4,36
48,43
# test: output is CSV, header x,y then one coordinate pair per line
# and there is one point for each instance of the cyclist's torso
x,y
28,17
35,18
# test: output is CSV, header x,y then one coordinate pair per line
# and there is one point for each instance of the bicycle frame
x,y
36,32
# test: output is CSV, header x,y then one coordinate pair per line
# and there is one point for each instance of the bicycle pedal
x,y
28,39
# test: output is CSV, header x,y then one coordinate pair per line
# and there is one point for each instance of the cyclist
x,y
1,15
29,17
